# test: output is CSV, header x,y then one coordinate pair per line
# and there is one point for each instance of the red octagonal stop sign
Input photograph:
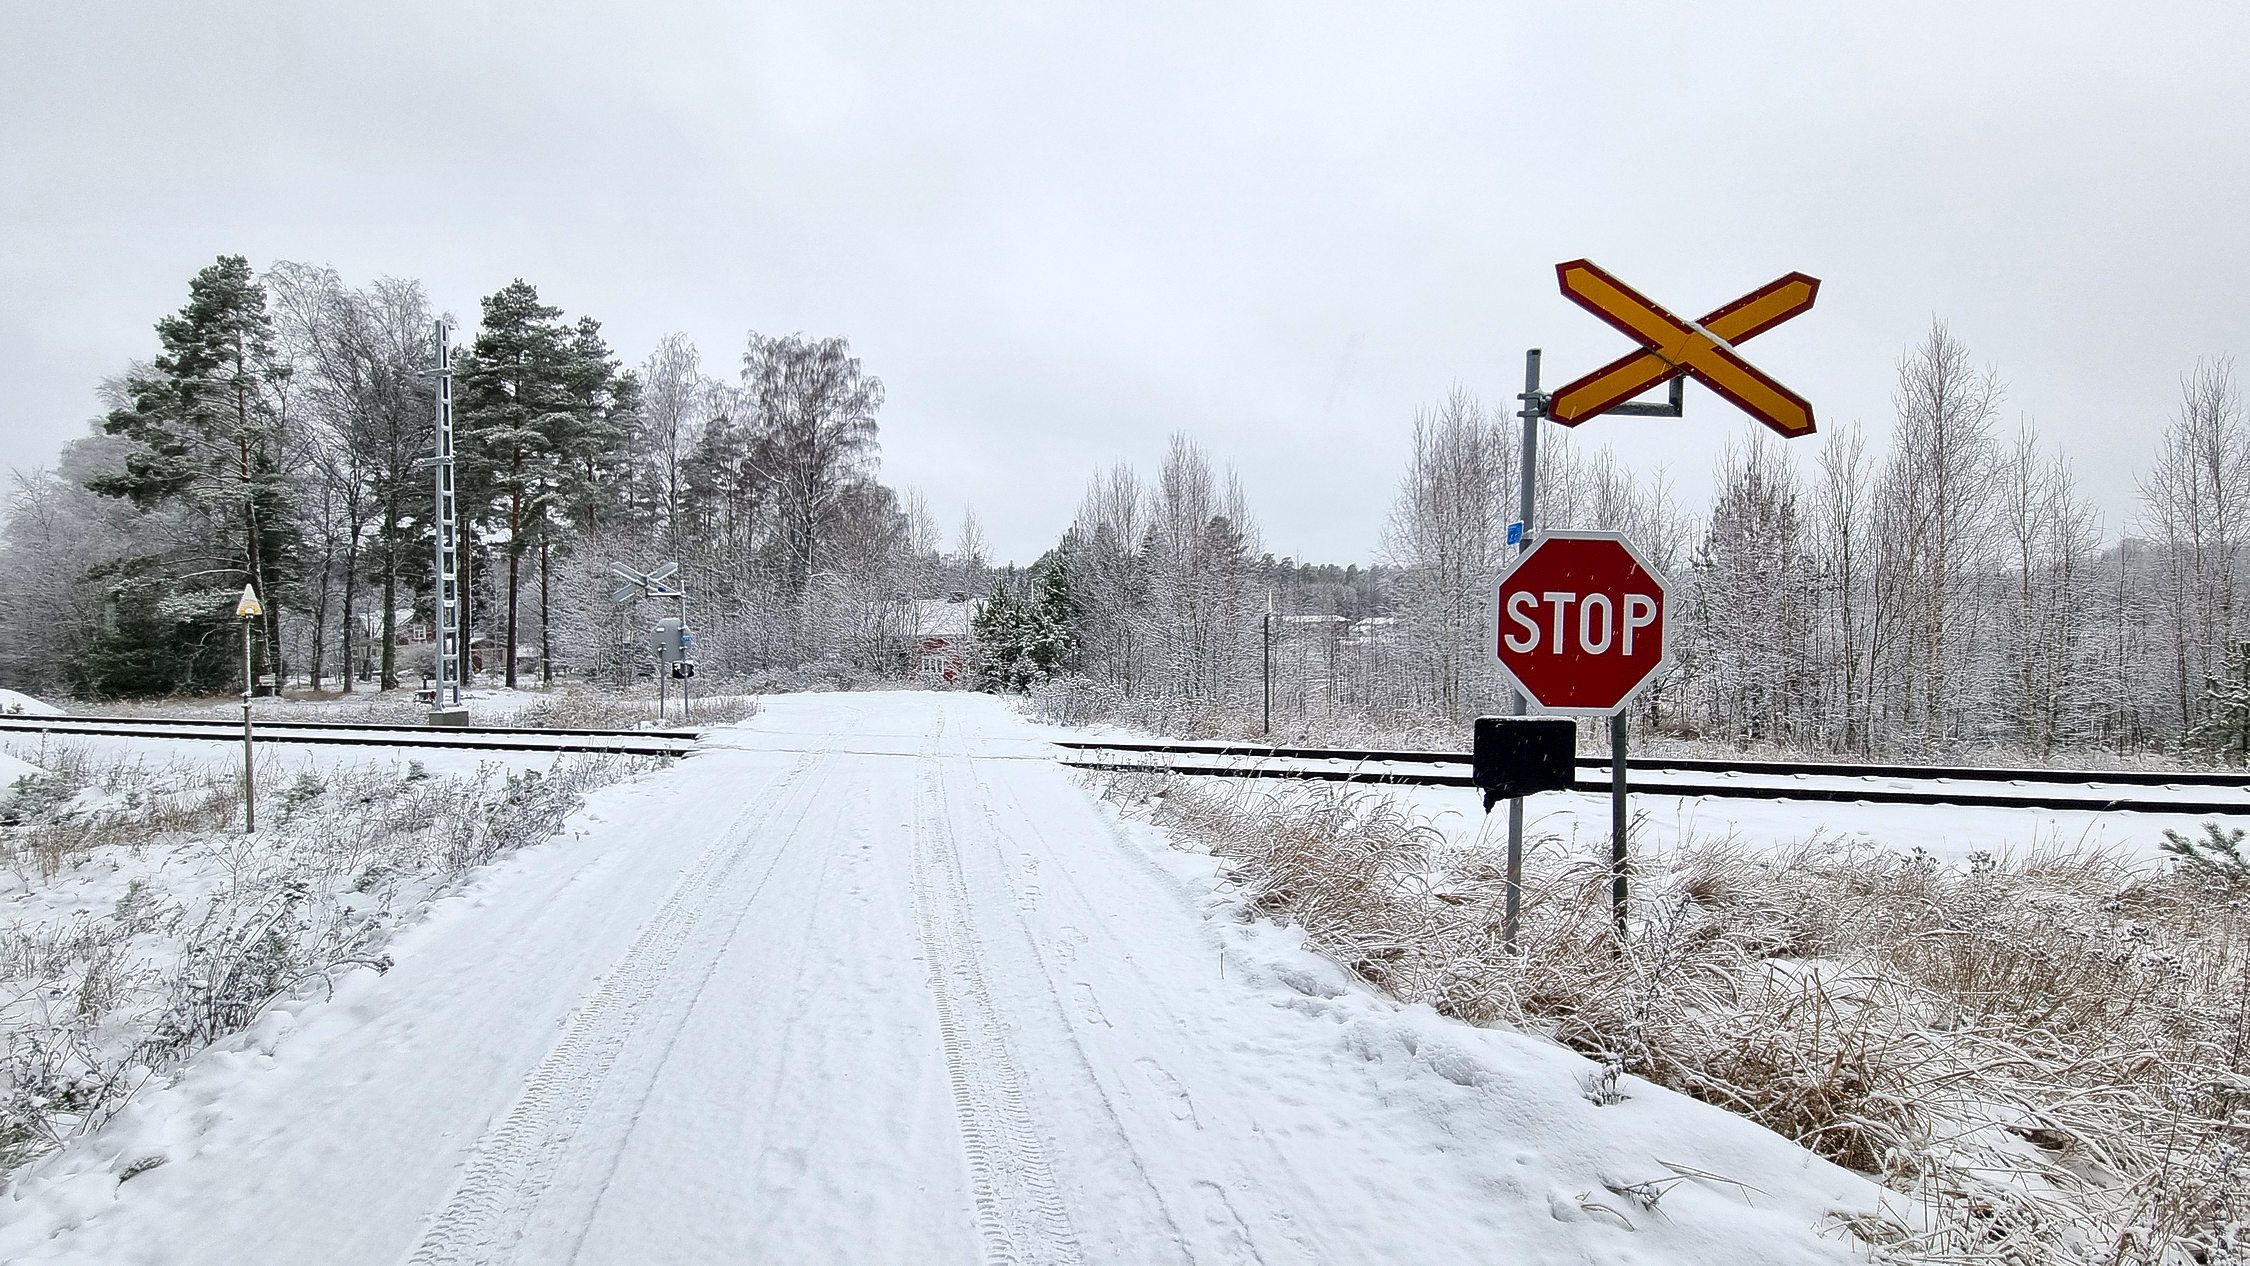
x,y
1580,625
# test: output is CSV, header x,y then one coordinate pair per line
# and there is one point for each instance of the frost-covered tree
x,y
811,408
1447,535
2196,503
359,361
1750,596
1935,503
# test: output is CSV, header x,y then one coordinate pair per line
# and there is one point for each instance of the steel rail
x,y
1699,765
1835,795
295,723
427,738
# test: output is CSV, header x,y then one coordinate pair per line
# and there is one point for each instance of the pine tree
x,y
513,400
207,434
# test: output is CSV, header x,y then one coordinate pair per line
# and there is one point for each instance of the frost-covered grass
x,y
140,924
2049,1052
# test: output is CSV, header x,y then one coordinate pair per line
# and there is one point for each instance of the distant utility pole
x,y
1268,633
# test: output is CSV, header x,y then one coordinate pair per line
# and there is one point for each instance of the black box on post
x,y
1516,756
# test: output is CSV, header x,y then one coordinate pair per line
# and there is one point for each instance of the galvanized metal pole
x,y
1619,822
451,644
686,716
249,757
1534,407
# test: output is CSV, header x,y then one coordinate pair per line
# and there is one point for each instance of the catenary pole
x,y
1534,407
452,639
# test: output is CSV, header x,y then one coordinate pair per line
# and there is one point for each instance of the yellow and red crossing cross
x,y
1704,350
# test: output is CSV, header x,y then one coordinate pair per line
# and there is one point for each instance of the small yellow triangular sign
x,y
249,605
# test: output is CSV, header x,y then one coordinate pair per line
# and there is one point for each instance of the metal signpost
x,y
1580,619
1671,351
671,647
247,610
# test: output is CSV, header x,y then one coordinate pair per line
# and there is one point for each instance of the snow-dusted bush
x,y
2051,1051
146,926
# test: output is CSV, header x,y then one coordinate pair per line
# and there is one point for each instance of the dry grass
x,y
2047,1052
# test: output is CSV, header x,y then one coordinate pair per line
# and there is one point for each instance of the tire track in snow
x,y
1019,1211
1226,1233
484,1219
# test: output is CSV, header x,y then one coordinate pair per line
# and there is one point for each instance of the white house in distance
x,y
940,641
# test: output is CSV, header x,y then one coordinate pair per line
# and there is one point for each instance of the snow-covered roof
x,y
935,617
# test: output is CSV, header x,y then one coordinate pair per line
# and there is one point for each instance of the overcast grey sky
x,y
1060,231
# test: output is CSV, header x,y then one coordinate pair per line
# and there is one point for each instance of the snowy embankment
x,y
16,703
873,979
138,923
2043,1046
575,706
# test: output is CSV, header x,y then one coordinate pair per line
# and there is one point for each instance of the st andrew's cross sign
x,y
1703,350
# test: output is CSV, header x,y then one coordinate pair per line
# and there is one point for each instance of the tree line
x,y
1953,593
281,438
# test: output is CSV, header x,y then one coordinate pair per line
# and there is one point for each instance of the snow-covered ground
x,y
872,979
16,703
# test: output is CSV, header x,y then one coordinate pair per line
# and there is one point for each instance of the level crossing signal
x,y
639,585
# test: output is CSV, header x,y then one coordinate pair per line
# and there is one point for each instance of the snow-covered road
x,y
872,979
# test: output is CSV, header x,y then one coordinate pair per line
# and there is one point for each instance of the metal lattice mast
x,y
446,615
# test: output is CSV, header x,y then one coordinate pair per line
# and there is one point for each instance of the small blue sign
x,y
1515,533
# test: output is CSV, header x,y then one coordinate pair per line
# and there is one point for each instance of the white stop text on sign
x,y
1550,617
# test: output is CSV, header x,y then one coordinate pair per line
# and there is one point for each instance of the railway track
x,y
366,734
2116,791
1980,787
